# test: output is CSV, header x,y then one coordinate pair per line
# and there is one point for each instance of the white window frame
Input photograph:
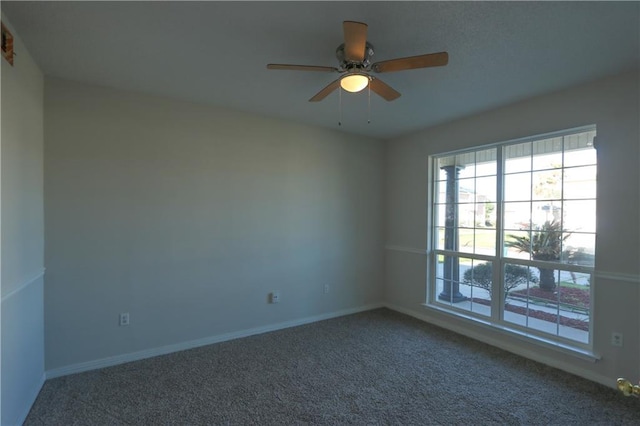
x,y
496,321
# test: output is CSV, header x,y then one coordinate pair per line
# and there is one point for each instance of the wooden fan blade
x,y
325,92
412,62
290,67
355,40
383,89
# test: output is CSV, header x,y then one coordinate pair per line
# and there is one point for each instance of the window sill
x,y
503,330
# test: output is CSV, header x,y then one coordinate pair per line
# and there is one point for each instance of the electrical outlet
x,y
124,319
326,288
616,339
275,297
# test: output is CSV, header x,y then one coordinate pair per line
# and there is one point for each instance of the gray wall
x,y
22,234
188,216
611,104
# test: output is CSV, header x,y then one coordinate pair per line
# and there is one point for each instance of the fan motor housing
x,y
346,65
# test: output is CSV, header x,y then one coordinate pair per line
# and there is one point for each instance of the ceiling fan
x,y
354,57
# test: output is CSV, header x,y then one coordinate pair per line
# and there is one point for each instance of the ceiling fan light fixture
x,y
355,67
354,82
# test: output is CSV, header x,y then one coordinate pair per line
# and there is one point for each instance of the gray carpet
x,y
374,368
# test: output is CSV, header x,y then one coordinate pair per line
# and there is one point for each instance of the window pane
x,y
466,239
440,210
439,240
544,242
547,185
563,311
580,140
485,189
466,215
581,147
546,211
516,245
518,282
586,157
546,245
517,158
447,271
440,192
528,304
579,215
479,275
580,182
444,162
517,215
458,287
486,162
574,293
485,242
462,164
517,187
476,285
547,154
467,172
486,213
579,249
466,190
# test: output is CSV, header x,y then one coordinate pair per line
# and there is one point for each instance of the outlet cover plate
x,y
616,339
124,319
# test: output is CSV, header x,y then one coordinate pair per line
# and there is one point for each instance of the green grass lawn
x,y
485,239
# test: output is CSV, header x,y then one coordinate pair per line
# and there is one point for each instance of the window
x,y
513,234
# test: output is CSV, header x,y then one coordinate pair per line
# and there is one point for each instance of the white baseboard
x,y
31,399
507,346
149,353
163,350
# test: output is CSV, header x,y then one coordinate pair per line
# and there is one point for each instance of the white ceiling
x,y
216,52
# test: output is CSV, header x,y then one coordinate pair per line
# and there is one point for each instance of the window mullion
x,y
432,225
497,303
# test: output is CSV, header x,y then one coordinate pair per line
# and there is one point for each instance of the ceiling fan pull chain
x,y
369,105
339,106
